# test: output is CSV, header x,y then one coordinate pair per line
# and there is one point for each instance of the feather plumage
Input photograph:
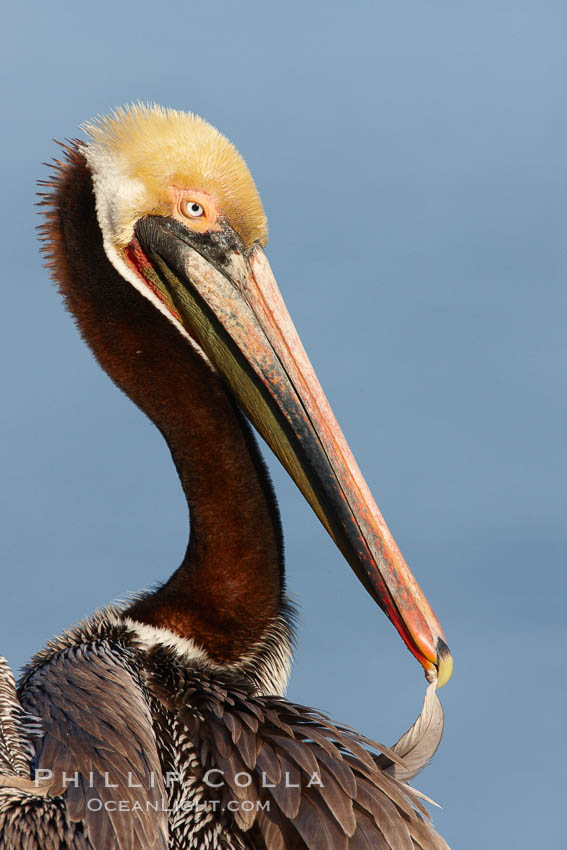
x,y
318,779
113,708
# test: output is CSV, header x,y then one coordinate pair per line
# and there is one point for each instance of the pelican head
x,y
182,221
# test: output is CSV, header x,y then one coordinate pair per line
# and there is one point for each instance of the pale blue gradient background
x,y
411,157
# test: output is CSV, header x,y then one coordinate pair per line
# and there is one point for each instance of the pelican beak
x,y
228,301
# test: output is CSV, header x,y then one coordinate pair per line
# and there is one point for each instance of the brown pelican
x,y
161,723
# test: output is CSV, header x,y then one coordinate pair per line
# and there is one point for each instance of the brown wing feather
x,y
98,731
286,751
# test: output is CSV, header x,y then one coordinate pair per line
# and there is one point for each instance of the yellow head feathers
x,y
140,153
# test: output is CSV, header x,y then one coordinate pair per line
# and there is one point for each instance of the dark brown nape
x,y
229,588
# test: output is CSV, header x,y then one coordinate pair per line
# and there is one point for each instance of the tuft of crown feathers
x,y
159,148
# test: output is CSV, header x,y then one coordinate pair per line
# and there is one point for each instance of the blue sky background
x,y
411,158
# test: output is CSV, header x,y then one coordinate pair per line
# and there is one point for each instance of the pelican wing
x,y
98,755
290,776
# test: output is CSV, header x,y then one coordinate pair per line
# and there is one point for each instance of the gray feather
x,y
419,744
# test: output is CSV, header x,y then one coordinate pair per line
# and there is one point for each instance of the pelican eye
x,y
193,209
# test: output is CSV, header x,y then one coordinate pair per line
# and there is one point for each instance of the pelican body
x,y
161,722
